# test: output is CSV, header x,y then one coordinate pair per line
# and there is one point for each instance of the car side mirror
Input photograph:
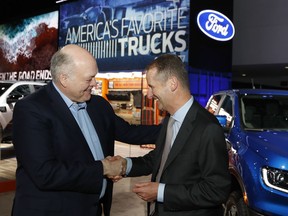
x,y
223,122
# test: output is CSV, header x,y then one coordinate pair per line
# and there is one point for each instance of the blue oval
x,y
215,25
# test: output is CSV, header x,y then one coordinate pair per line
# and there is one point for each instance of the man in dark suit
x,y
62,164
195,180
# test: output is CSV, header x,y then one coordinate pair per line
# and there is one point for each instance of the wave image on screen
x,y
26,47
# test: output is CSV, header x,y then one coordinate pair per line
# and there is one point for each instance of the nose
x,y
149,93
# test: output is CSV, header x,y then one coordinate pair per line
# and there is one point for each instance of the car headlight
x,y
275,178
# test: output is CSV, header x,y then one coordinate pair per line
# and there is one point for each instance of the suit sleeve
x,y
136,134
123,131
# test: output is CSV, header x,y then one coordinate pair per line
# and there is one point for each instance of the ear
x,y
63,79
173,83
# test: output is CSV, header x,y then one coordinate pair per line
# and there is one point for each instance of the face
x,y
158,89
79,85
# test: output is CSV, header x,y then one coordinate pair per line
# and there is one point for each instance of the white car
x,y
10,93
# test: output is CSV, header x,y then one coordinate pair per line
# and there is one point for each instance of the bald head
x,y
76,52
73,71
68,59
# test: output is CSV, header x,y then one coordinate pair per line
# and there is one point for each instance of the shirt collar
x,y
69,102
180,114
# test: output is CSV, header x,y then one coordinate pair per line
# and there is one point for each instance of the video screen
x,y
126,35
26,47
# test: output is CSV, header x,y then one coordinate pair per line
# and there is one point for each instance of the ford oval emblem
x,y
215,25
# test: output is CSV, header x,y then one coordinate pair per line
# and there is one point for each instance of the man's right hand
x,y
114,166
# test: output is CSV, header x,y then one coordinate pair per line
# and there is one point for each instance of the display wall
x,y
210,59
206,53
26,47
126,35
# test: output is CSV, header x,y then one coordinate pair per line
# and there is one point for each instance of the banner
x,y
26,47
126,34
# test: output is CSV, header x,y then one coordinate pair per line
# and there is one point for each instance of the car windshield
x,y
264,112
4,87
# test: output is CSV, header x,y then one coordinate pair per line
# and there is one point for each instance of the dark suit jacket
x,y
196,171
56,173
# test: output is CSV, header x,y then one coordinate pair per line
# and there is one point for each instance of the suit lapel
x,y
60,108
63,113
183,134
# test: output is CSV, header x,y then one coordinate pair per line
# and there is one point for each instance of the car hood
x,y
269,144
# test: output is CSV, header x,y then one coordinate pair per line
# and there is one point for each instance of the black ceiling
x,y
272,74
13,10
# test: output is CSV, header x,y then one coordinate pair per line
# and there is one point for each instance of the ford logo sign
x,y
215,25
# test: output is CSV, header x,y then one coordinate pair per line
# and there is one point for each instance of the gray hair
x,y
61,63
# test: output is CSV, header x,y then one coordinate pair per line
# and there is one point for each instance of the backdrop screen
x,y
126,34
26,47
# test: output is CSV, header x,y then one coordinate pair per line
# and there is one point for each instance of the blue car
x,y
255,123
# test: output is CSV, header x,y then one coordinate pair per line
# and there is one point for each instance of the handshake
x,y
114,167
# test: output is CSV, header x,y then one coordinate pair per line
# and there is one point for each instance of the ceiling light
x,y
60,1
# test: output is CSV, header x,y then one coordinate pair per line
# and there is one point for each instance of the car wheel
x,y
235,205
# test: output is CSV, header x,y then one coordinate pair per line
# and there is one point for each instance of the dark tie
x,y
166,150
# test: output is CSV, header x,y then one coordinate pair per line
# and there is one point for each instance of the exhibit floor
x,y
124,201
